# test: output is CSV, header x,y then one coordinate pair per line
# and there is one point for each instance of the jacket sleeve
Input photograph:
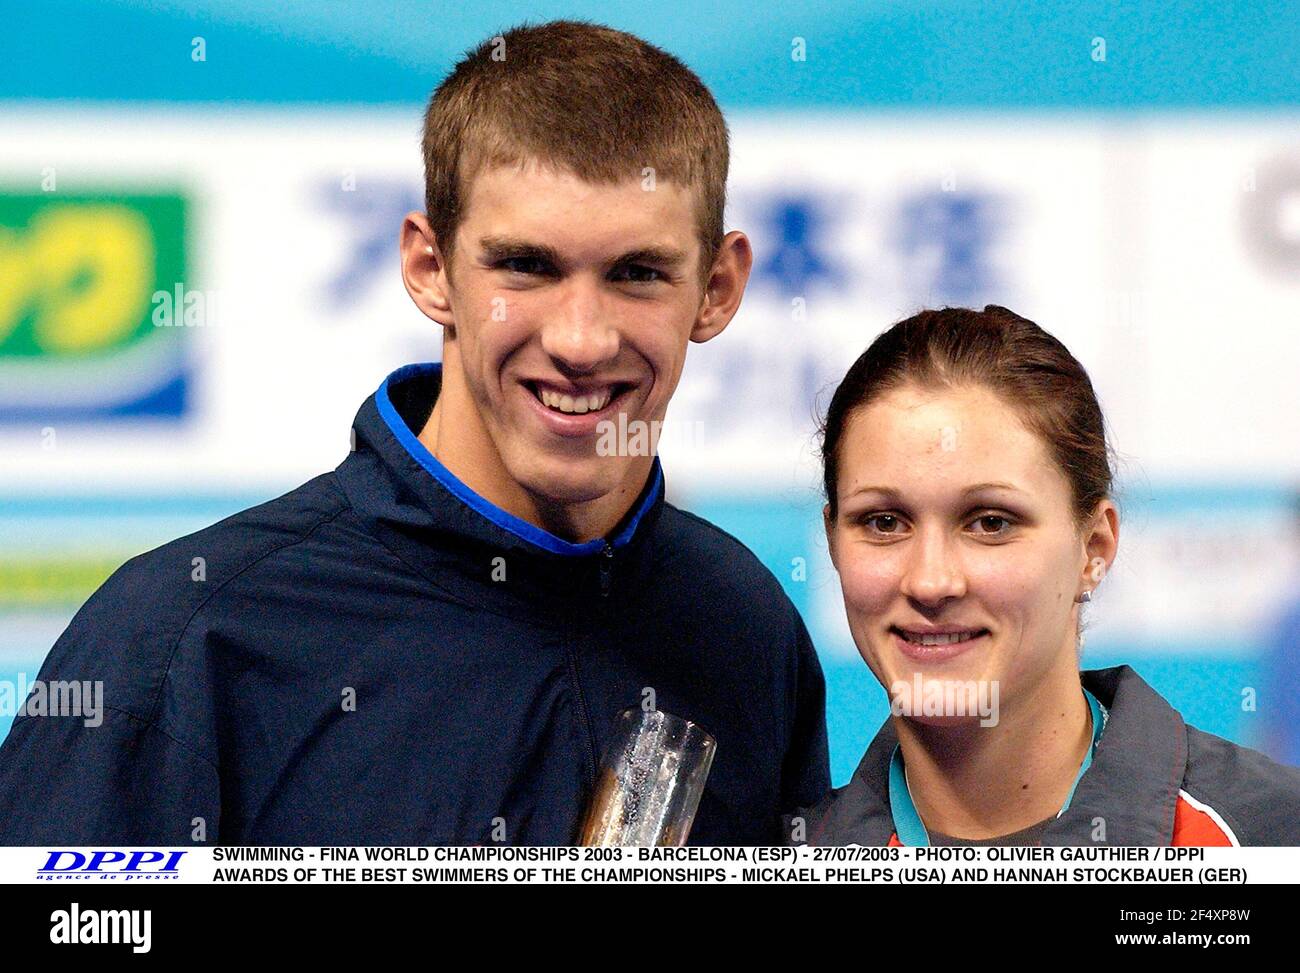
x,y
103,771
806,776
121,782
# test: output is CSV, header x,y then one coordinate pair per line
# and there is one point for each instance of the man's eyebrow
x,y
496,248
891,493
664,256
499,247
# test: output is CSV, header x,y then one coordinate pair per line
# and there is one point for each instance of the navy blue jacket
x,y
344,666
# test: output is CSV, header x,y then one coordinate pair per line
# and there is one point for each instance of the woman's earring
x,y
1084,598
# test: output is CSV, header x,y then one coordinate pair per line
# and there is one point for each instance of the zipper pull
x,y
606,568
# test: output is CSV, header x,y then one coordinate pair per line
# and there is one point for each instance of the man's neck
x,y
985,782
455,435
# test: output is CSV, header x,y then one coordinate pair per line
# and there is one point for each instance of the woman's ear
x,y
829,525
424,271
1101,544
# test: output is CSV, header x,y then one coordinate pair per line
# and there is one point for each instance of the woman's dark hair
x,y
998,350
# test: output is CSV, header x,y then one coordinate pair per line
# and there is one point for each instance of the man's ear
x,y
725,286
424,272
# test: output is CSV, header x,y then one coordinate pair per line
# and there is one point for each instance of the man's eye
x,y
638,274
521,265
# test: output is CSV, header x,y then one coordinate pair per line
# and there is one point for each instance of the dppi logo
x,y
132,866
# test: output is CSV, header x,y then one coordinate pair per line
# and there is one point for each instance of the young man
x,y
431,643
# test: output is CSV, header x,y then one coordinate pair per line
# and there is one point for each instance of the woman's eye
x,y
995,520
638,274
884,523
991,525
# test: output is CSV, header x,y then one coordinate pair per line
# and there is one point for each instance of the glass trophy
x,y
650,782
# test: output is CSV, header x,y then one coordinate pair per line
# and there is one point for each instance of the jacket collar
x,y
430,518
1132,786
1130,789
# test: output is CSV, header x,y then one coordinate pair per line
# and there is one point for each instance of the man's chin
x,y
566,482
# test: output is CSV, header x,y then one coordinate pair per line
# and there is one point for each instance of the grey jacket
x,y
1154,780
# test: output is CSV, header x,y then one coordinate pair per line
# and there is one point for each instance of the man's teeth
x,y
939,639
592,402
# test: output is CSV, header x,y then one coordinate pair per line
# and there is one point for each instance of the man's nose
x,y
580,334
933,571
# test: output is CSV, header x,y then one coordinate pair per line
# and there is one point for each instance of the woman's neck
x,y
974,781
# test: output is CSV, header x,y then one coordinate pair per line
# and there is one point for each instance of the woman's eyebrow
x,y
892,494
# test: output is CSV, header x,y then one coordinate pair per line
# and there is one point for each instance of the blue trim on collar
x,y
507,521
907,821
1099,717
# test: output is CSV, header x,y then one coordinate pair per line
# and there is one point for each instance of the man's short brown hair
x,y
576,96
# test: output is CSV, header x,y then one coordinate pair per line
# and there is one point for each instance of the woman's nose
x,y
580,333
933,572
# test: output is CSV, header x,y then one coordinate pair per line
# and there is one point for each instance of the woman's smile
x,y
925,646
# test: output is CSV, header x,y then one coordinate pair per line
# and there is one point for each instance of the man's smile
x,y
572,409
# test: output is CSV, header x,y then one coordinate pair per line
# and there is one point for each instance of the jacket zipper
x,y
584,721
606,569
584,718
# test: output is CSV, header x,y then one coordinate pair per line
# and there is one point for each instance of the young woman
x,y
969,515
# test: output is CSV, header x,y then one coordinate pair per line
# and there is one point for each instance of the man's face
x,y
572,303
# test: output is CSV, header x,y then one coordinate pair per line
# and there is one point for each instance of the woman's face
x,y
952,515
